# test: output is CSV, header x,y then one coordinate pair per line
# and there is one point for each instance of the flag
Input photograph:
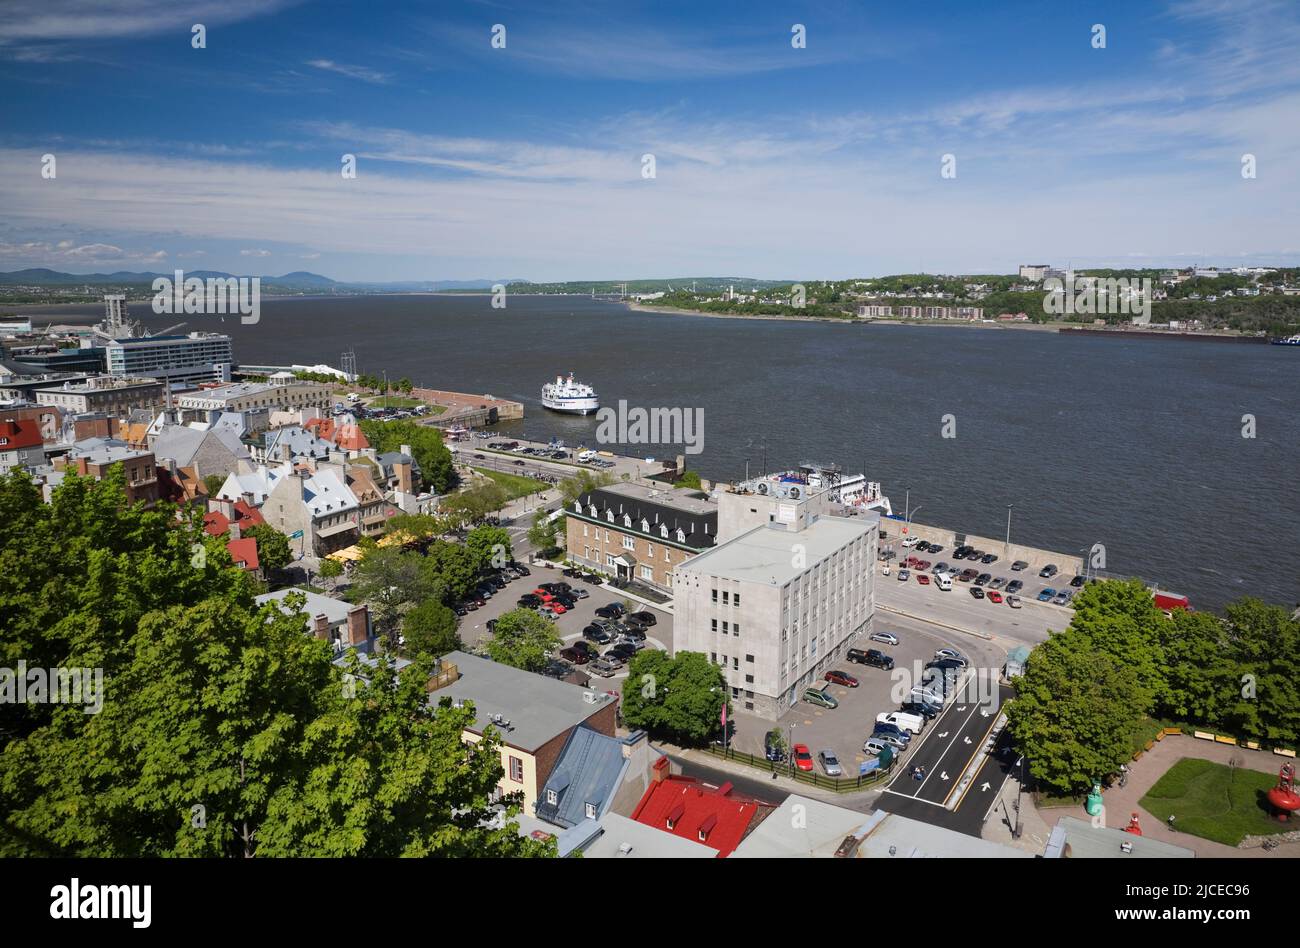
x,y
724,715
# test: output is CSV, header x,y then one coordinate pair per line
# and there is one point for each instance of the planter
x,y
1150,744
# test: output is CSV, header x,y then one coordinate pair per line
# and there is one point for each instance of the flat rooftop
x,y
765,554
680,498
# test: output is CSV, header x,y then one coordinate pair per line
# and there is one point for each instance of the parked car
x,y
982,578
920,707
923,579
1062,598
946,665
1013,602
889,638
1077,582
803,757
1047,594
1015,586
830,763
596,634
904,575
997,582
977,592
995,596
837,677
624,650
893,740
771,751
580,594
585,648
939,568
951,653
875,747
1018,565
873,657
632,634
574,656
1048,571
988,558
936,548
820,698
912,723
645,618
967,575
603,668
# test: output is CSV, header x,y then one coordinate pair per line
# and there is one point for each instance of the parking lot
x,y
569,626
844,729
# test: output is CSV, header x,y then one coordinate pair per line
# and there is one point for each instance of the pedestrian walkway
x,y
1120,802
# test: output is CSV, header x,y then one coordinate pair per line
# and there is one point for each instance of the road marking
x,y
909,796
984,788
977,750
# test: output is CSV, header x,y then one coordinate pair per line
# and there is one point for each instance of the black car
x,y
632,633
771,751
1018,565
1048,571
573,573
947,664
520,569
936,548
1015,586
585,648
596,634
989,558
529,601
645,618
982,579
623,651
568,602
592,578
919,707
977,592
1077,582
873,657
612,611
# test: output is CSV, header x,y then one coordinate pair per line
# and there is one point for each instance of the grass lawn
x,y
515,485
396,401
1213,801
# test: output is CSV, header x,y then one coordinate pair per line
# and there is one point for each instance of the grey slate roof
x,y
588,770
537,708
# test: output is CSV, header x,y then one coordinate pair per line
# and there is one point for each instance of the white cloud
x,y
352,72
255,253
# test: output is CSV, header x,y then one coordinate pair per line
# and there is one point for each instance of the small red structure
x,y
1283,797
1133,826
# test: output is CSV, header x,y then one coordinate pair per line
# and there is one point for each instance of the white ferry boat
x,y
569,396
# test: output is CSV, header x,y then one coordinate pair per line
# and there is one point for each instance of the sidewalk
x,y
1122,801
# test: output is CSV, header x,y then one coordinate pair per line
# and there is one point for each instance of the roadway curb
x,y
942,625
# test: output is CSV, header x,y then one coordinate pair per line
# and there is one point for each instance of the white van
x,y
587,456
908,722
944,582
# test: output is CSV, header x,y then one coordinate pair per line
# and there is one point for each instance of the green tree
x,y
330,569
583,482
544,533
212,483
389,579
405,386
679,697
453,568
523,639
689,478
224,729
273,550
475,503
1075,713
490,546
430,629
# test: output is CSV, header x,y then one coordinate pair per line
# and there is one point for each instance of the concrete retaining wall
x,y
1035,557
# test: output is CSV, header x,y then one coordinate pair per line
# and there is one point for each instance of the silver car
x,y
830,763
889,638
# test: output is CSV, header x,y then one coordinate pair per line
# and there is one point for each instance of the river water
x,y
1134,444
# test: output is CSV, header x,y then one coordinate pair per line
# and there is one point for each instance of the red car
x,y
836,677
994,596
802,757
543,595
923,579
923,564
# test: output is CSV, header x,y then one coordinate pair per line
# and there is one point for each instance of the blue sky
x,y
526,162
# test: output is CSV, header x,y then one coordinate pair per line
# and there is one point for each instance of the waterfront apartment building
x,y
640,533
777,605
875,311
103,393
198,357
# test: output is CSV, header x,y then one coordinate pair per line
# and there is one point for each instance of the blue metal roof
x,y
588,771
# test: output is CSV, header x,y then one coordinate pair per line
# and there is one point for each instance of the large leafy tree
x,y
430,629
390,580
571,488
490,546
474,504
679,697
453,567
523,639
1075,712
544,532
223,727
273,550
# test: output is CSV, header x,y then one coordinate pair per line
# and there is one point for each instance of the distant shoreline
x,y
850,320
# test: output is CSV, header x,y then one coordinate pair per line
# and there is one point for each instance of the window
x,y
629,543
749,706
663,530
735,600
647,572
726,597
713,657
726,627
609,559
713,624
715,595
681,536
591,811
645,525
735,664
736,628
516,769
749,658
749,679
552,797
627,520
650,550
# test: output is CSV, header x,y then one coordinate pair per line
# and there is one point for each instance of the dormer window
x,y
627,520
577,506
552,798
645,525
663,530
681,537
591,811
592,510
609,515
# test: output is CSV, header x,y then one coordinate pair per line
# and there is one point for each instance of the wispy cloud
x,y
55,21
352,72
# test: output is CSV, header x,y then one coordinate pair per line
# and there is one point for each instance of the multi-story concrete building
x,y
777,602
198,357
103,393
280,393
640,533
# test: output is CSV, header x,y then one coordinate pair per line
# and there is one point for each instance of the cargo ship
x,y
1288,341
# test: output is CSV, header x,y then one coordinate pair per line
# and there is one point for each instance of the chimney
x,y
405,483
358,625
660,770
286,453
321,627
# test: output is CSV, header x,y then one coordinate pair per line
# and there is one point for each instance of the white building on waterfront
x,y
198,357
778,600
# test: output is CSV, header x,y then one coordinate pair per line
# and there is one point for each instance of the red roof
x,y
244,552
350,438
687,808
215,523
20,434
246,515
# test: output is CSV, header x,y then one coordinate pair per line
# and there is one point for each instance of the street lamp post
x,y
1008,549
1020,786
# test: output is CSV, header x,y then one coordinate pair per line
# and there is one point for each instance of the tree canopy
x,y
522,639
679,697
426,446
